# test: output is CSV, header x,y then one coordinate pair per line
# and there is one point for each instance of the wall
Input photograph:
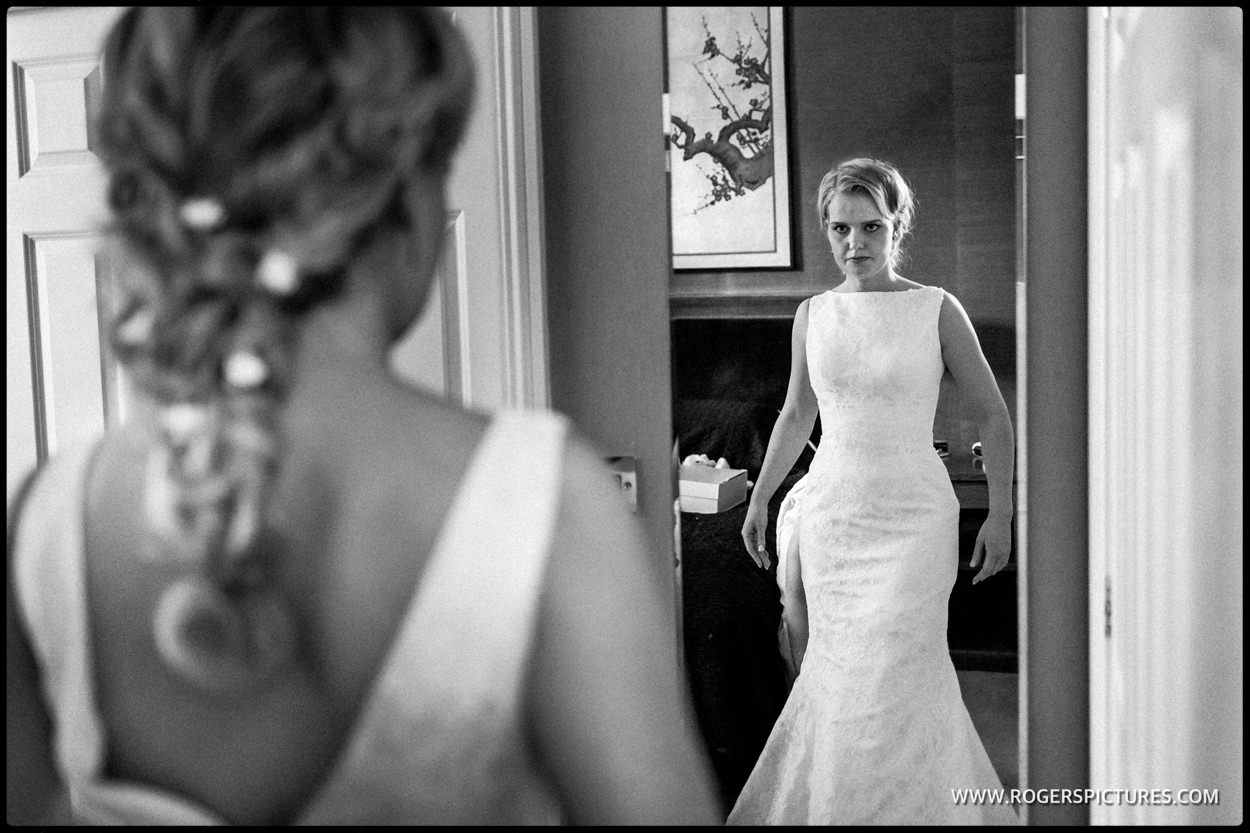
x,y
607,236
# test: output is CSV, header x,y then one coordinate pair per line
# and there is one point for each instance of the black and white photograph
x,y
754,415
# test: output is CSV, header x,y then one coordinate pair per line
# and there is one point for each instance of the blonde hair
x,y
252,153
882,182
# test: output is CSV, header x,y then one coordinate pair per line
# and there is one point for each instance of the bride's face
x,y
861,237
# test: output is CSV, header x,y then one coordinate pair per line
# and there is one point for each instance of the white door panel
x,y
56,373
67,360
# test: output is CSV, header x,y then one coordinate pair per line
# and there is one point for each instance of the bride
x,y
875,730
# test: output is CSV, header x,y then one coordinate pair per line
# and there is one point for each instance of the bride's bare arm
x,y
609,712
961,351
790,433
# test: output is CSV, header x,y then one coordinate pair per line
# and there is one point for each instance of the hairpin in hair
x,y
201,213
136,328
278,272
159,495
184,420
245,370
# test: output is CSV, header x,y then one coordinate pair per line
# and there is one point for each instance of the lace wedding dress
x,y
875,730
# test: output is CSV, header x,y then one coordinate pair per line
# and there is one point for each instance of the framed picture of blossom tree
x,y
726,120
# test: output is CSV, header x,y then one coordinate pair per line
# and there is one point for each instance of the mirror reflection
x,y
942,109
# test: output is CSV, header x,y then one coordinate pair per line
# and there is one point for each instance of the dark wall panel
x,y
607,239
1057,342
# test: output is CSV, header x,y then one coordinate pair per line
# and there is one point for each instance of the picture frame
x,y
727,134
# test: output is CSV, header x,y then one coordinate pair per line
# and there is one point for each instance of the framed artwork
x,y
726,122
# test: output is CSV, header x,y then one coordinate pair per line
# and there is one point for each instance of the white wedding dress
x,y
875,730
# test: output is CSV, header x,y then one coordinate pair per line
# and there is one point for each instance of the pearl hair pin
x,y
202,213
158,500
278,272
245,370
184,420
136,329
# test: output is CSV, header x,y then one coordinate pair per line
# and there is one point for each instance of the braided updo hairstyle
x,y
252,152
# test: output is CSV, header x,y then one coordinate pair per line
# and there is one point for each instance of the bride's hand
x,y
993,545
753,530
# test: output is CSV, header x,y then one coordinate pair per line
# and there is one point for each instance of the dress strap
x,y
490,560
442,716
48,572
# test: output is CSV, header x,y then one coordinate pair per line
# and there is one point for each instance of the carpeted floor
x,y
993,703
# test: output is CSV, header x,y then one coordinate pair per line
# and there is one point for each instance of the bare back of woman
x,y
362,504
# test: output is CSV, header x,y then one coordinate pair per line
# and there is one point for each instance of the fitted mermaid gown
x,y
875,730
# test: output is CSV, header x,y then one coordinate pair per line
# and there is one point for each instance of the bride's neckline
x,y
880,291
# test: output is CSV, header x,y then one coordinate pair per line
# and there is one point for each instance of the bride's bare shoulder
x,y
428,432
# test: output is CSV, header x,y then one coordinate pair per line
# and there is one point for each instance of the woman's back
x,y
597,655
361,501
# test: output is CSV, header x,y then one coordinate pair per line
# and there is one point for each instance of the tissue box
x,y
708,490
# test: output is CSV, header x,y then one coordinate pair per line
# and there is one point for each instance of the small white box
x,y
708,490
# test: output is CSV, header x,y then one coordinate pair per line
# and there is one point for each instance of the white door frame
x,y
1165,411
525,295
